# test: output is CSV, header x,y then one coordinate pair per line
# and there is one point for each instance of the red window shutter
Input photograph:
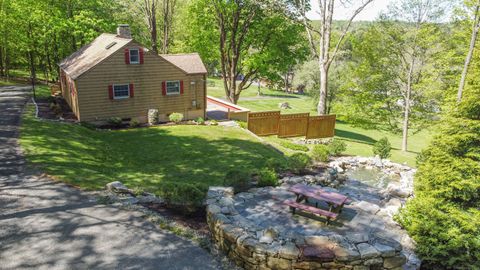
x,y
110,91
140,52
181,87
127,56
131,90
164,88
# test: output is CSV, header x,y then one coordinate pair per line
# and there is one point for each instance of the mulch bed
x,y
45,111
196,220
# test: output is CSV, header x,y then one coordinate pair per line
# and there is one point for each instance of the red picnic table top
x,y
334,198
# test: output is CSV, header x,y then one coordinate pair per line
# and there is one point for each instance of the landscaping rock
x,y
385,250
268,236
117,187
284,105
367,251
150,199
393,262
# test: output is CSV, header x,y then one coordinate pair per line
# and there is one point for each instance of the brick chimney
x,y
123,30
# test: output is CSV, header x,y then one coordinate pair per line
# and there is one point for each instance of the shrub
x,y
187,197
320,153
298,162
134,123
444,216
238,179
293,146
200,121
336,147
115,121
175,117
275,164
382,148
243,124
267,177
213,123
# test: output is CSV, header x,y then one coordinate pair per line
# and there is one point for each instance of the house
x,y
115,76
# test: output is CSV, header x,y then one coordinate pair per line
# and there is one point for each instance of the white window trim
x,y
130,56
121,84
173,93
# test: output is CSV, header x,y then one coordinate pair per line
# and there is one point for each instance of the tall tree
x,y
326,54
473,40
419,14
397,76
149,8
168,15
253,39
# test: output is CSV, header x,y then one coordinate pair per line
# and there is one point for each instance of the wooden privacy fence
x,y
264,123
291,125
321,126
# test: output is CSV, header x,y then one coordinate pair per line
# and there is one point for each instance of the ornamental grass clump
x,y
175,117
267,178
336,147
185,197
298,162
320,153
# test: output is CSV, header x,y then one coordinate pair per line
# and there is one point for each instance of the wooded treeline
x,y
394,73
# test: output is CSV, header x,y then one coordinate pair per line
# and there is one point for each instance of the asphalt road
x,y
49,225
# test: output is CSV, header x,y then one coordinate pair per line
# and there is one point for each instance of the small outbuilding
x,y
115,76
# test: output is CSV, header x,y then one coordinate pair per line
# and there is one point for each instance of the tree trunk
x,y
7,64
406,114
153,28
322,99
468,59
166,14
406,122
1,62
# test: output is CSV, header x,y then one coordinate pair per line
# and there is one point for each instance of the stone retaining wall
x,y
254,247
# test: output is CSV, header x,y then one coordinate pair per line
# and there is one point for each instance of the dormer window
x,y
134,56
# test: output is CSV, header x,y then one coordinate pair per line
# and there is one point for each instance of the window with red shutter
x,y
127,56
164,88
181,87
110,91
131,90
140,50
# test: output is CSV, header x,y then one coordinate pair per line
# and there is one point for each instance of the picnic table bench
x,y
336,201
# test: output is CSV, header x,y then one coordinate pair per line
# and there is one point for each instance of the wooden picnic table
x,y
335,200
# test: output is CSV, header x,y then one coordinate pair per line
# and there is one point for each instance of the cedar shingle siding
x,y
91,100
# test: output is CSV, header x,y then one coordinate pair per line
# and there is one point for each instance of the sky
x,y
370,13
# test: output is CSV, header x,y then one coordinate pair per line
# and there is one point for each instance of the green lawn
x,y
6,83
359,140
140,157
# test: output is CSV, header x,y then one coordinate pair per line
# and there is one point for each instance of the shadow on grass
x,y
354,137
140,157
280,96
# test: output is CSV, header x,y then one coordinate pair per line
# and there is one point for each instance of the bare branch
x,y
345,31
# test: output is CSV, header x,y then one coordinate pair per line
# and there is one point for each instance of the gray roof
x,y
106,44
93,53
191,63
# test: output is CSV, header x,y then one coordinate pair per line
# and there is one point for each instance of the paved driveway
x,y
49,225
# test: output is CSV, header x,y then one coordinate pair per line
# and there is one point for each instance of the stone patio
x,y
257,230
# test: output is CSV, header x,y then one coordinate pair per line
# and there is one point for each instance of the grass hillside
x,y
141,157
359,140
